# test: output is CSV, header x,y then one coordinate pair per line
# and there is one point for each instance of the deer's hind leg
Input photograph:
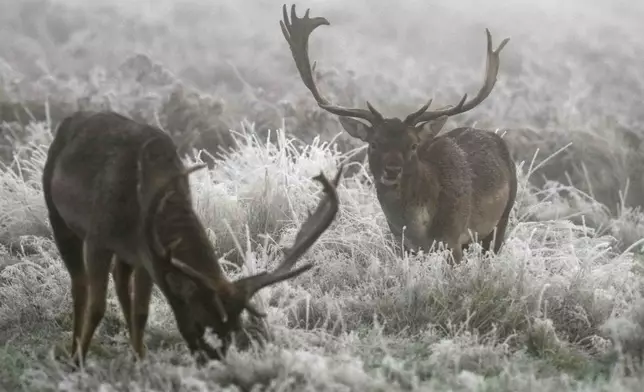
x,y
70,247
501,226
97,269
492,238
497,236
500,234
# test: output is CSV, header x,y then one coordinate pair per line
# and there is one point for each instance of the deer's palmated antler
x,y
312,224
246,287
491,71
297,32
315,224
310,231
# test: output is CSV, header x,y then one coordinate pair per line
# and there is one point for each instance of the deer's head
x,y
392,141
203,301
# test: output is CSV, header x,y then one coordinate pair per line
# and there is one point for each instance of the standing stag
x,y
449,188
117,192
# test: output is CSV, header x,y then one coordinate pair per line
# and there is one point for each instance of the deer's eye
x,y
414,146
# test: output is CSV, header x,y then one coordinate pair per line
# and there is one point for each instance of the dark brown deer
x,y
117,193
453,188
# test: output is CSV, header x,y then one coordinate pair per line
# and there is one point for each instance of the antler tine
x,y
376,114
491,71
310,231
411,119
296,32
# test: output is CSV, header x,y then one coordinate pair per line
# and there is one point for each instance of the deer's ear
x,y
431,128
356,128
181,285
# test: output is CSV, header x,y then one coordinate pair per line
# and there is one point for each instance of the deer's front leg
x,y
122,273
141,295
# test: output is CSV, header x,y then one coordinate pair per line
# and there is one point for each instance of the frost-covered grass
x,y
557,309
560,308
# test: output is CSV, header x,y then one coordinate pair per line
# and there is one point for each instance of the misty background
x,y
571,72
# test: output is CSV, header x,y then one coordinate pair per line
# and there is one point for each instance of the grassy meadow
x,y
560,308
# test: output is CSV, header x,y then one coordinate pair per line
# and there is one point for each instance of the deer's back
x,y
492,175
487,155
90,175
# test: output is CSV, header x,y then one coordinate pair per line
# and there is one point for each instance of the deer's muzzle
x,y
391,175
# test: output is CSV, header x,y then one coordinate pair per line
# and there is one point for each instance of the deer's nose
x,y
392,171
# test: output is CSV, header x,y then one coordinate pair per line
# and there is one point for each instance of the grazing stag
x,y
446,188
118,194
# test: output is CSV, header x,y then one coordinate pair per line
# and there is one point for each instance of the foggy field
x,y
560,308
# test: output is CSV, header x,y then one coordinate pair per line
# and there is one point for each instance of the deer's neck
x,y
420,184
412,203
195,249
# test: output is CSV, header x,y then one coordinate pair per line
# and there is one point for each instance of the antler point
x,y
336,180
460,104
502,45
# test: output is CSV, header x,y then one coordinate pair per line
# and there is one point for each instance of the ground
x,y
559,308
